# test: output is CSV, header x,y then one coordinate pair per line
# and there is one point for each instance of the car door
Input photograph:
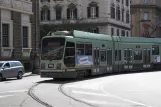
x,y
6,72
18,68
13,69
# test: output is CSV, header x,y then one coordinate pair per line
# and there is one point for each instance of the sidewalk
x,y
29,74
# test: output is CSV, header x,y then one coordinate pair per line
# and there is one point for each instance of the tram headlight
x,y
58,66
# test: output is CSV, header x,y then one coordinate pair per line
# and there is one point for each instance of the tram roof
x,y
140,40
88,35
82,34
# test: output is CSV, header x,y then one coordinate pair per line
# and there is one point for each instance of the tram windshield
x,y
53,48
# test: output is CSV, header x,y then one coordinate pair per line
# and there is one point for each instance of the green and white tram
x,y
72,54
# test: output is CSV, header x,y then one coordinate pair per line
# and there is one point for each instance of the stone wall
x,y
18,19
17,38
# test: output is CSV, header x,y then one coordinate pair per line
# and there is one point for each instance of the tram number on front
x,y
50,65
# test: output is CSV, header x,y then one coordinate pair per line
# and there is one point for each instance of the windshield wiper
x,y
53,52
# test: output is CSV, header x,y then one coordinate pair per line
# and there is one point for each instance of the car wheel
x,y
19,76
1,78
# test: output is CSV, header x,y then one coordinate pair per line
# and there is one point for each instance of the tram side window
x,y
117,55
88,49
103,55
155,50
138,55
80,49
69,58
109,56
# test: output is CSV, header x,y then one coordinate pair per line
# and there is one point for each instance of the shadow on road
x,y
8,80
64,81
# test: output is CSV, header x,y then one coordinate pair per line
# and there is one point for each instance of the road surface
x,y
124,90
13,92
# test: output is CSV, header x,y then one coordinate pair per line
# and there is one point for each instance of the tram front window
x,y
52,48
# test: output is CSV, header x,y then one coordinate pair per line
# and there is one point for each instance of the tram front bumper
x,y
71,74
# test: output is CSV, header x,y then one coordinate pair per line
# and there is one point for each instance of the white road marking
x,y
14,91
94,85
94,101
88,93
83,86
5,96
123,99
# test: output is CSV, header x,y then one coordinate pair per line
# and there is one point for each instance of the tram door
x,y
96,60
128,59
146,58
109,60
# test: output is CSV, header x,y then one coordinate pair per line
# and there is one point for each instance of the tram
x,y
76,53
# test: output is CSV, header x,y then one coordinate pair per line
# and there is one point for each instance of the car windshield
x,y
1,64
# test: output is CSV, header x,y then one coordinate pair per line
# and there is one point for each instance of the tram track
x,y
73,98
31,93
60,89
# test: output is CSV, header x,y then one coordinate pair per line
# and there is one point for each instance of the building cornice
x,y
146,6
17,5
86,21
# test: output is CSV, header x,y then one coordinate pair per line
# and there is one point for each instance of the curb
x,y
30,75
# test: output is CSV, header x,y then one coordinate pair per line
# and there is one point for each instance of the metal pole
x,y
36,28
139,23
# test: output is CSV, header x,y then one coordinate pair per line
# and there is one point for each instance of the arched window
x,y
112,11
45,13
45,0
122,1
58,10
123,13
118,32
127,17
127,2
93,30
118,13
93,10
71,11
123,33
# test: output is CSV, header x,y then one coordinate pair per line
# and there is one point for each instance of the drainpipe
x,y
0,35
140,10
36,57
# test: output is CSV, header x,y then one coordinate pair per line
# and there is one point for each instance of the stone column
x,y
35,36
17,37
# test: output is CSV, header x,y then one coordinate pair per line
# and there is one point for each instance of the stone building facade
x,y
17,37
98,16
146,18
